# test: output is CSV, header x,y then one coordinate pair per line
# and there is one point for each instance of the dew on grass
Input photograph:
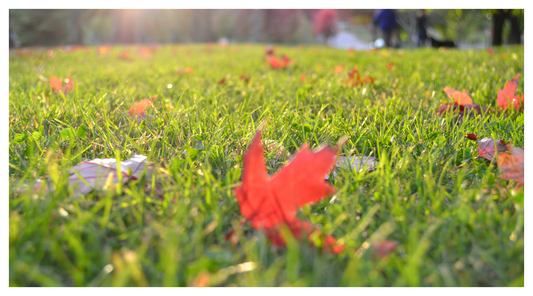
x,y
169,86
108,268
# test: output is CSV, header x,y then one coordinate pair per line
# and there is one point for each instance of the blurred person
x,y
421,27
386,20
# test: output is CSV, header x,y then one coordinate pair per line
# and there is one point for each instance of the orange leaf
x,y
143,52
55,83
269,202
512,165
185,71
338,69
461,98
139,108
125,55
302,78
506,96
103,50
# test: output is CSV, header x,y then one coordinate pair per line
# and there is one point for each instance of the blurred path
x,y
345,40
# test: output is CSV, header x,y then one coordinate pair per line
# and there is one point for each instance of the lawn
x,y
455,222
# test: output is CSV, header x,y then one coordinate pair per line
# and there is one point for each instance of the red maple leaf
x,y
461,109
506,96
488,148
222,81
139,108
463,103
512,165
270,202
277,64
352,73
490,50
302,78
390,65
354,79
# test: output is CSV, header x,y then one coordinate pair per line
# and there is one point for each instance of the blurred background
x,y
344,28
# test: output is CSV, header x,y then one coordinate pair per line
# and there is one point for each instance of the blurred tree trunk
x,y
498,19
514,37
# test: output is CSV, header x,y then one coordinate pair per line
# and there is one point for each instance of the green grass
x,y
456,222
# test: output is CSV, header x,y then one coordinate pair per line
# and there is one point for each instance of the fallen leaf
x,y
139,108
461,98
355,163
57,84
245,78
302,78
269,50
143,52
270,202
222,81
354,79
103,50
490,50
125,55
389,66
338,69
384,248
69,85
352,73
506,96
201,280
97,173
185,71
512,165
488,148
277,64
